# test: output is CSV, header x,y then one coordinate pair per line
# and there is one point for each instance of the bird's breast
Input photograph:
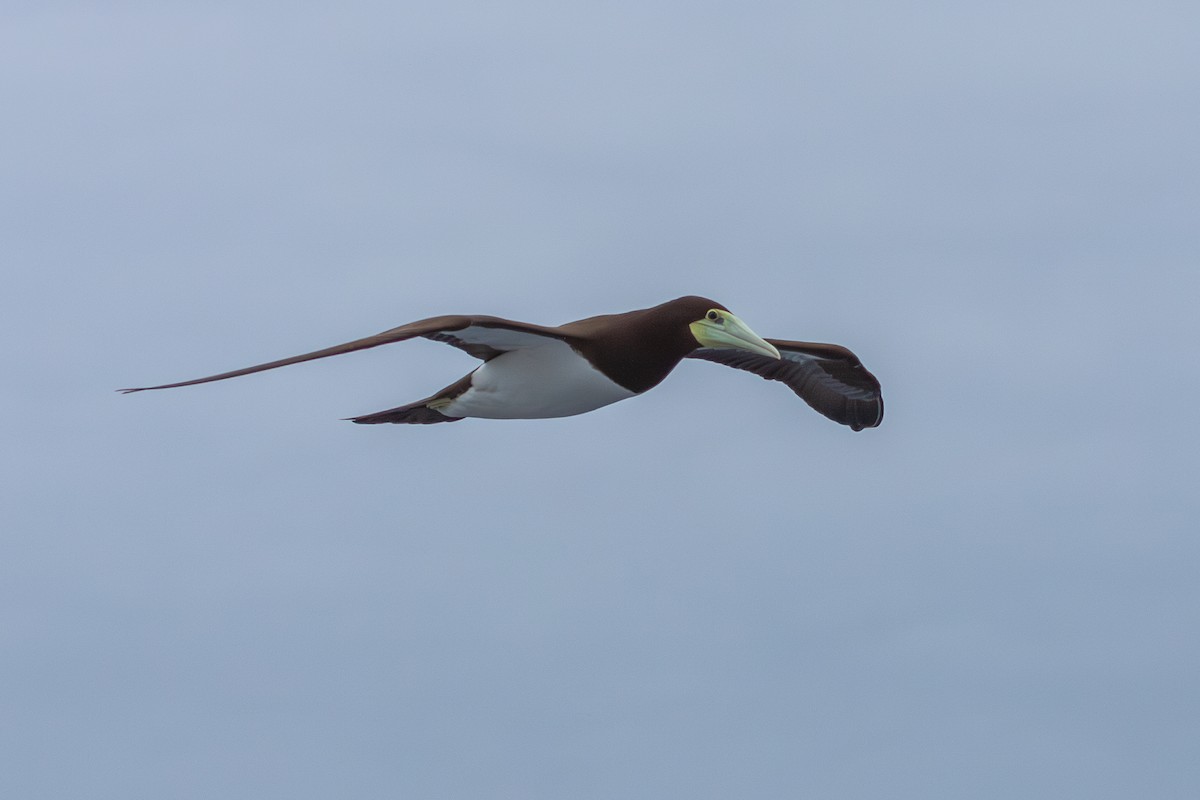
x,y
550,380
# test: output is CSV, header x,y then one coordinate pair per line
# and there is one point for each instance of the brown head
x,y
640,348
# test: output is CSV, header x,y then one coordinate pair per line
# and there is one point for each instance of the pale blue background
x,y
707,592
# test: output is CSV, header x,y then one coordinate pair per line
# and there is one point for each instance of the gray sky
x,y
706,592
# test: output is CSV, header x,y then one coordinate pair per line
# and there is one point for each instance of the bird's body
x,y
534,371
547,380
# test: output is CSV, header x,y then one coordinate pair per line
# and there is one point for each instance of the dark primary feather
x,y
829,378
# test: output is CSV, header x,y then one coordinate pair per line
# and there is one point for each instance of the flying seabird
x,y
534,371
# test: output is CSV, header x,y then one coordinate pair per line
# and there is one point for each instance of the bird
x,y
538,372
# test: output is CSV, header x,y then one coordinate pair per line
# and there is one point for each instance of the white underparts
x,y
547,380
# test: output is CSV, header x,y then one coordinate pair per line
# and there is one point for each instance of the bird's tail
x,y
411,414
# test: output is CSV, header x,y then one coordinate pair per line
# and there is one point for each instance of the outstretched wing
x,y
483,337
829,378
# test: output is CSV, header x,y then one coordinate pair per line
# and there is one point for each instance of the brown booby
x,y
533,371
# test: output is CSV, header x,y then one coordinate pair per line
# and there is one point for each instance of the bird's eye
x,y
714,316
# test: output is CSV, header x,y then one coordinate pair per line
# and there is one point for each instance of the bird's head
x,y
718,327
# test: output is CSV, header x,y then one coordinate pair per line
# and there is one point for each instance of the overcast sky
x,y
707,592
